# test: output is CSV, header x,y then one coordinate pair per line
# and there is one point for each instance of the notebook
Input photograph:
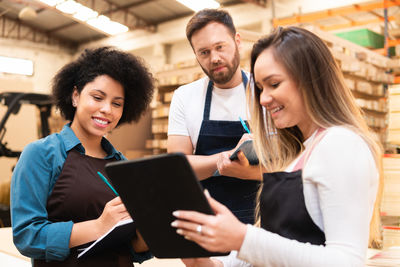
x,y
121,232
151,189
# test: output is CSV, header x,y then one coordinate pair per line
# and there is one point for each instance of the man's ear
x,y
238,40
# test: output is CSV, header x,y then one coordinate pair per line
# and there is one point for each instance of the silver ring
x,y
199,229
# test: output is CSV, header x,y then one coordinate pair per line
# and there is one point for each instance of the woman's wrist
x,y
241,233
99,227
254,173
84,232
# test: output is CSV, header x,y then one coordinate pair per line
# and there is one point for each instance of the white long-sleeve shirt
x,y
340,181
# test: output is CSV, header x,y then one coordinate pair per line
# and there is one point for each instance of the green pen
x,y
244,125
107,183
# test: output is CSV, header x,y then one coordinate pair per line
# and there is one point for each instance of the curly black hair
x,y
127,69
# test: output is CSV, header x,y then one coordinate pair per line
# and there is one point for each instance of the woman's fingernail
x,y
179,231
175,213
174,224
186,237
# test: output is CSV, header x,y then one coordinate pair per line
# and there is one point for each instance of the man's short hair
x,y
205,16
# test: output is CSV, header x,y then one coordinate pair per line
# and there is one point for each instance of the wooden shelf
x,y
167,87
176,77
344,16
378,129
161,111
379,114
363,95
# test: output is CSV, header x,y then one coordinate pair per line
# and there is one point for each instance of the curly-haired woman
x,y
59,202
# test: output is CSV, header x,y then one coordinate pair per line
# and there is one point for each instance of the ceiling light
x,y
114,28
199,5
51,2
104,24
88,15
98,22
16,65
69,7
85,13
27,13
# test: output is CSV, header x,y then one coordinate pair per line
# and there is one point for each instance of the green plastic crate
x,y
364,37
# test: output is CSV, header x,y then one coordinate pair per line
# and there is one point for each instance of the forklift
x,y
13,102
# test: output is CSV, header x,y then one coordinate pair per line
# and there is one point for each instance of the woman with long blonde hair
x,y
319,194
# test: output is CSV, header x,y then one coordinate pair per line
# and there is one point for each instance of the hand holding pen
x,y
114,210
244,137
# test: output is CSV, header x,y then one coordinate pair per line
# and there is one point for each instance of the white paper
x,y
84,250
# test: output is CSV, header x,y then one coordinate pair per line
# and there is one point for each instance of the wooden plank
x,y
341,11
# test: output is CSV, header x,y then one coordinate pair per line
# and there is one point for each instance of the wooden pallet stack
x,y
390,205
169,78
391,193
394,115
366,74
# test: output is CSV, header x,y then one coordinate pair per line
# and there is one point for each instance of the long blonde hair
x,y
327,101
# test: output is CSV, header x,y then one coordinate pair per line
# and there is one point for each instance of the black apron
x,y
217,136
80,195
282,207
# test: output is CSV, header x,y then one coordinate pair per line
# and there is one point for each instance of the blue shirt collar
x,y
71,141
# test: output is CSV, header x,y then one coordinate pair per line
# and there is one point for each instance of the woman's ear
x,y
75,97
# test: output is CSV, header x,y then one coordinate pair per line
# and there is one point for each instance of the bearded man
x,y
204,115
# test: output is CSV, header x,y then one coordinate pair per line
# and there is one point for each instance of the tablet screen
x,y
151,189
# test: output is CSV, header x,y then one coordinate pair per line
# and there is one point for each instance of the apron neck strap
x,y
317,138
207,106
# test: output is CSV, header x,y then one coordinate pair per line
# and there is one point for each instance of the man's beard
x,y
224,77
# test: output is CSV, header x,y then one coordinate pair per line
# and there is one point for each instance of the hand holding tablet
x,y
151,189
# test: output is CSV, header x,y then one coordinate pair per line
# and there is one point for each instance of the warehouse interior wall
x,y
21,129
47,61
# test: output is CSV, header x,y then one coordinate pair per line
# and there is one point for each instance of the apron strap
x,y
317,138
207,105
244,80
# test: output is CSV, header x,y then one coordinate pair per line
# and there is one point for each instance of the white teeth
x,y
277,109
101,121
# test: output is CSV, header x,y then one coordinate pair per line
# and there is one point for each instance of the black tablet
x,y
247,148
151,189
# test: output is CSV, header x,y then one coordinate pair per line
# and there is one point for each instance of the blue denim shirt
x,y
33,179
